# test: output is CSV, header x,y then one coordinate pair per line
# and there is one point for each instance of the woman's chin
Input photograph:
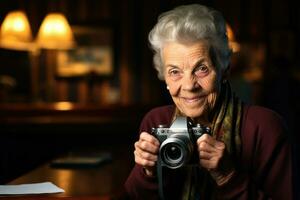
x,y
193,113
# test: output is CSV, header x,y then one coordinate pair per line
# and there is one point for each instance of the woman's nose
x,y
189,83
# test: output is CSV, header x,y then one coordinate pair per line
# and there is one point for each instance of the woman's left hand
x,y
213,157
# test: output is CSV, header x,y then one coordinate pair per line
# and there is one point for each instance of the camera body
x,y
178,143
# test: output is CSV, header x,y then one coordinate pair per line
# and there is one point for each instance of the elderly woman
x,y
247,154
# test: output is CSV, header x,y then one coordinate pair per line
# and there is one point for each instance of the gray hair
x,y
188,24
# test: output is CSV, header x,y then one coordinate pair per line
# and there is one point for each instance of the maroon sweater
x,y
264,169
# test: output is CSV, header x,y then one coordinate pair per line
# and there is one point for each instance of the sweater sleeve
x,y
266,168
141,186
138,185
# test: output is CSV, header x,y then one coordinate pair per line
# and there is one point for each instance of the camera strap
x,y
189,125
160,180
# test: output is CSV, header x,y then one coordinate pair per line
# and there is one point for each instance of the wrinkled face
x,y
191,77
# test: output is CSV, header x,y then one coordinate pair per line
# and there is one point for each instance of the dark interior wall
x,y
274,24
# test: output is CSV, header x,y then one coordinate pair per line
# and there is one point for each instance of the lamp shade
x,y
55,33
15,31
233,44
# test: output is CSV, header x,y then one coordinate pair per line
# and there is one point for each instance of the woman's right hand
x,y
146,152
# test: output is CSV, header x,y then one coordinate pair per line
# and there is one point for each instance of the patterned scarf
x,y
225,127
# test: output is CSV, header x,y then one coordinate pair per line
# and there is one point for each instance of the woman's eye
x,y
174,72
202,70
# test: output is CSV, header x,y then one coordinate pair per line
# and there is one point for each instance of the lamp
x,y
233,44
15,32
55,33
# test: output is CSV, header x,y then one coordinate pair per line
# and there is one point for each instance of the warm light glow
x,y
64,178
63,105
55,33
234,45
15,31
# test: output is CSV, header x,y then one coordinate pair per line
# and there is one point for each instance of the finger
x,y
204,155
204,146
204,137
212,141
146,155
207,139
145,163
148,137
206,151
208,164
219,145
146,146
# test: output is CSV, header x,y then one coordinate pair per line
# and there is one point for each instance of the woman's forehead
x,y
174,51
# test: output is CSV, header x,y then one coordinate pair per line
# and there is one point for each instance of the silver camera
x,y
178,143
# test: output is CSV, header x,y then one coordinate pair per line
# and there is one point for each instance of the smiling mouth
x,y
192,100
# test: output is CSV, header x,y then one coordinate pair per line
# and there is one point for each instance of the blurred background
x,y
78,73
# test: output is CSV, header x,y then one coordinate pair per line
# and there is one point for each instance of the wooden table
x,y
46,197
102,182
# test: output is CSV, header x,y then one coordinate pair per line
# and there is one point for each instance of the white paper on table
x,y
33,188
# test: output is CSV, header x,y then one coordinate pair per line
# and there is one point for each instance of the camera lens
x,y
173,152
